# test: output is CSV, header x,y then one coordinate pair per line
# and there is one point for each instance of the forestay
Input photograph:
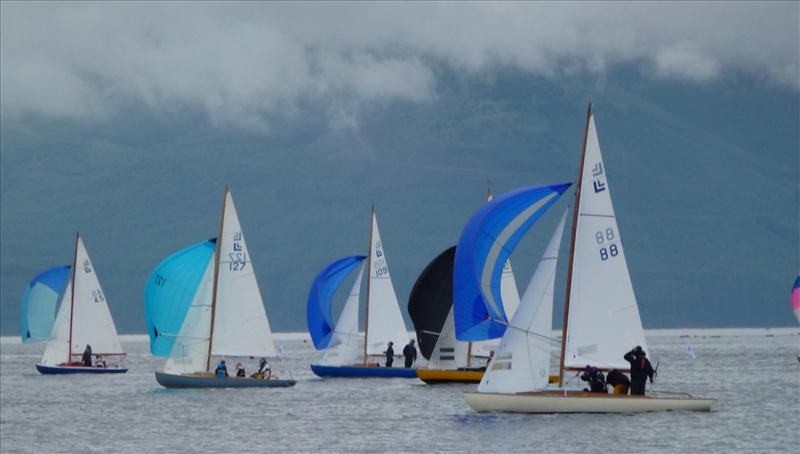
x,y
384,318
483,249
522,361
38,309
91,320
169,293
241,327
603,320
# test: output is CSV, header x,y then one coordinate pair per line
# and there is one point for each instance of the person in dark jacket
x,y
619,381
410,353
86,359
597,382
641,369
389,354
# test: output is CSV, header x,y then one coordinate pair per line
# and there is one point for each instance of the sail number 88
x,y
601,236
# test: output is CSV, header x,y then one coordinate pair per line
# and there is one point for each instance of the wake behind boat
x,y
348,352
82,339
601,317
204,301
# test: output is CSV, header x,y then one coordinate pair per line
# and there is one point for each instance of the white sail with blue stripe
x,y
484,247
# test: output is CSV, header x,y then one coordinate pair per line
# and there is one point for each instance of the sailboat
x,y
203,302
796,298
430,306
601,317
348,352
83,319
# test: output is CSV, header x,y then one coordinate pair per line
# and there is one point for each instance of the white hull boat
x,y
580,402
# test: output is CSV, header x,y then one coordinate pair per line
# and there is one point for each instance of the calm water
x,y
756,379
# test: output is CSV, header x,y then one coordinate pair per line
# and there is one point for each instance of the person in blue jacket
x,y
222,370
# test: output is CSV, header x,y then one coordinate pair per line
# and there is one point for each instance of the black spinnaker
x,y
431,299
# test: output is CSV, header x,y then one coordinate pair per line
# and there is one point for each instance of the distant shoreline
x,y
670,332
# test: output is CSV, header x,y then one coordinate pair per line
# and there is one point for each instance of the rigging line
x,y
526,331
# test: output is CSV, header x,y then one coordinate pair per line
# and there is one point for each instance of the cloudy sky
x,y
245,65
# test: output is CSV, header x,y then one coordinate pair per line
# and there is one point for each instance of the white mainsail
x,y
83,316
522,361
603,320
57,349
190,351
448,353
91,320
384,318
241,327
346,343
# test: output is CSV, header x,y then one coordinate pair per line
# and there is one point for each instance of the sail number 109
x,y
604,236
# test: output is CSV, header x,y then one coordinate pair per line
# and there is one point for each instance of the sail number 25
x,y
603,237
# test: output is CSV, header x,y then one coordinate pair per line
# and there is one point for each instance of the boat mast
x,y
572,250
217,251
369,278
72,295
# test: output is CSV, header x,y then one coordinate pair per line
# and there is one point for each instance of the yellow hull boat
x,y
435,376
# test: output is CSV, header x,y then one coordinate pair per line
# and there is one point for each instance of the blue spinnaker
x,y
38,309
318,310
169,292
486,242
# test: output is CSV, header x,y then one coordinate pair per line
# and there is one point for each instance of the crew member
x,y
86,359
410,353
618,381
389,354
641,369
597,382
222,370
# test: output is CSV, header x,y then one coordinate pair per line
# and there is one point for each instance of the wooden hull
x,y
580,402
61,370
210,381
363,372
437,376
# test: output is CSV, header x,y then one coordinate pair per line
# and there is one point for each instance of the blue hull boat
x,y
363,372
60,370
210,381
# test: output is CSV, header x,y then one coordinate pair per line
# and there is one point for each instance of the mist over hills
x,y
704,179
